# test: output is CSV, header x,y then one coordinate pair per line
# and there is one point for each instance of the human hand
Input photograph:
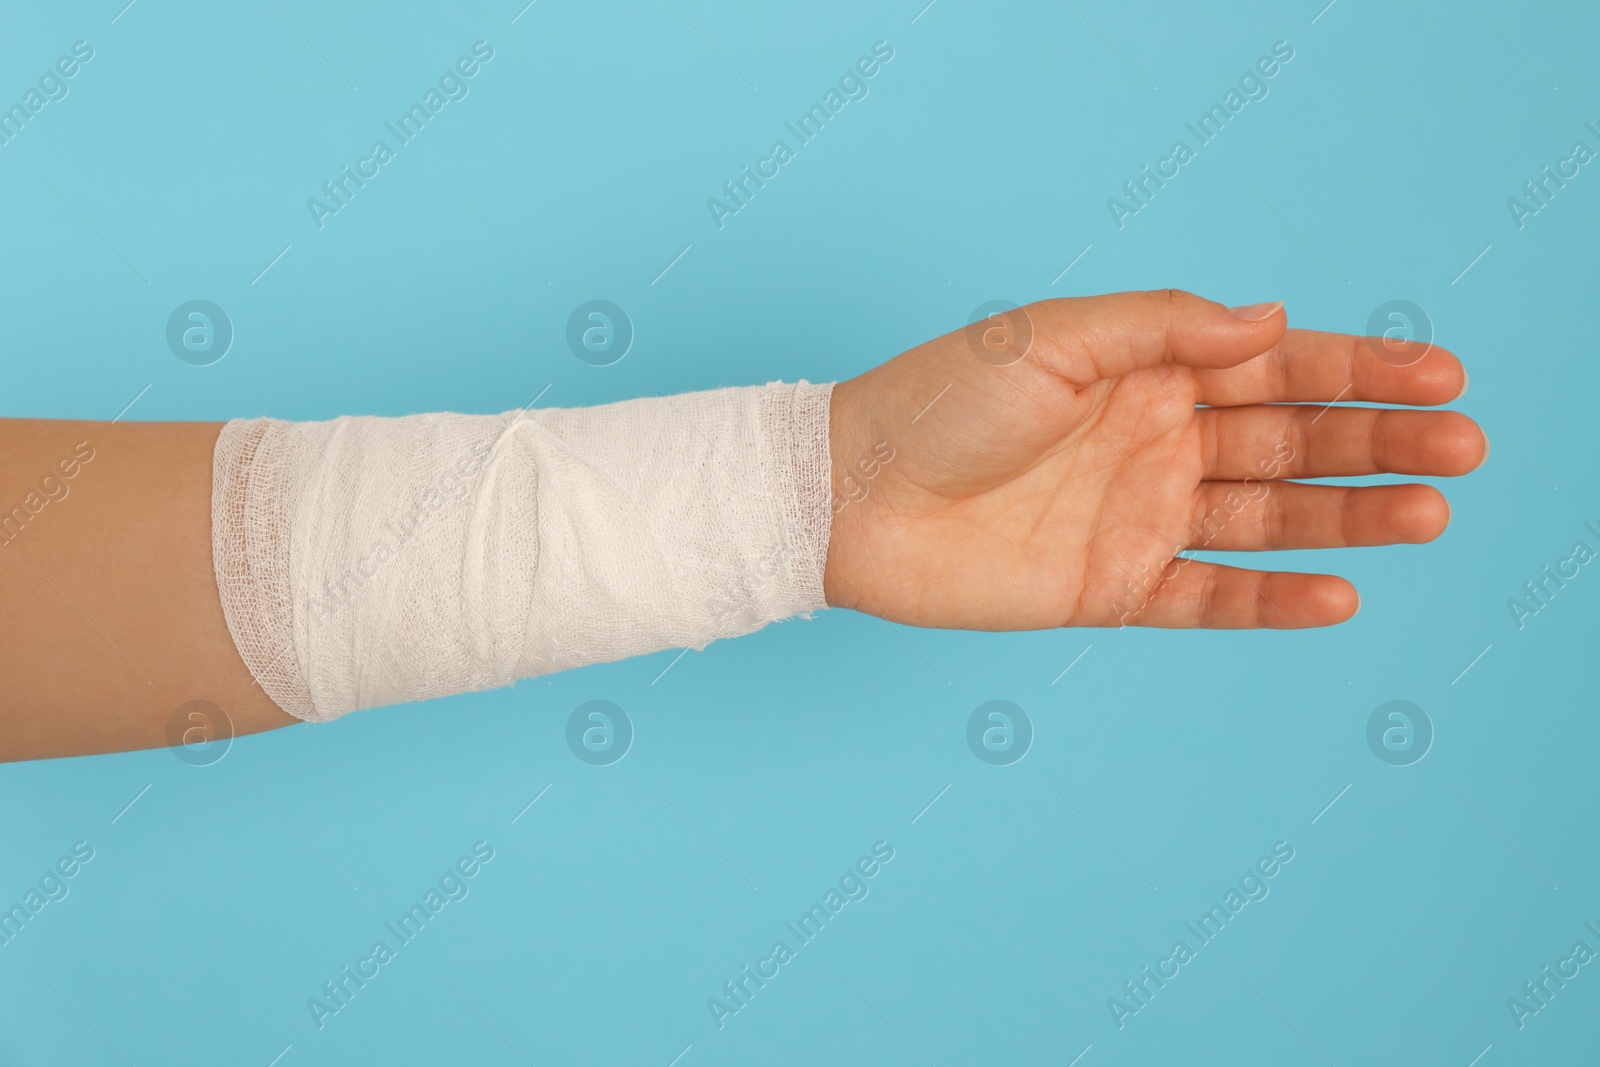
x,y
979,493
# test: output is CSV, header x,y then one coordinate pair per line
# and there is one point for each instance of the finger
x,y
1266,516
1217,597
1307,366
1090,338
1308,441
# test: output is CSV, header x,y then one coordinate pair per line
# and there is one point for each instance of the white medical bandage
x,y
367,561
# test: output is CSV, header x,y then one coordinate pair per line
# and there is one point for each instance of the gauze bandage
x,y
367,561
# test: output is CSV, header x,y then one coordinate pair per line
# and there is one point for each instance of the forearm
x,y
114,621
314,569
369,561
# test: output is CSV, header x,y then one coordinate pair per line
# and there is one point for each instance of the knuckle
x,y
1264,611
1166,302
1275,520
1298,434
1347,515
1207,595
1211,433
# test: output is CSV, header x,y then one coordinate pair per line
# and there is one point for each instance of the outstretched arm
x,y
1046,468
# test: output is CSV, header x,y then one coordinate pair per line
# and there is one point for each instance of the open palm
x,y
1048,467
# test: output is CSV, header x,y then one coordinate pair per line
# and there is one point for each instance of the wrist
x,y
852,464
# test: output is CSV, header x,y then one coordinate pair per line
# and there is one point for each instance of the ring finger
x,y
1268,516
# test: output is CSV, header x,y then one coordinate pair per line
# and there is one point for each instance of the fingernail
x,y
1256,312
1465,379
1485,458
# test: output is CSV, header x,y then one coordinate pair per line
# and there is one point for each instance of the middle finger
x,y
1269,441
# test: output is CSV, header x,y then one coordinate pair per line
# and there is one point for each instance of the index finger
x,y
1310,366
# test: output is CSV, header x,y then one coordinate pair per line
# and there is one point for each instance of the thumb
x,y
1089,338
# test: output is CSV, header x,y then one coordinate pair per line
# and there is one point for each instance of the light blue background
x,y
1164,763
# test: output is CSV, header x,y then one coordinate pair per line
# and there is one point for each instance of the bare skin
x,y
114,620
1054,490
